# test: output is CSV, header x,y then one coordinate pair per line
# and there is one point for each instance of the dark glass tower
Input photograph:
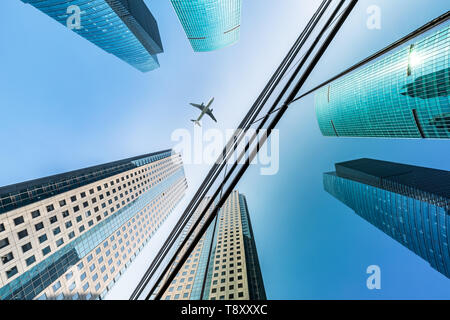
x,y
411,204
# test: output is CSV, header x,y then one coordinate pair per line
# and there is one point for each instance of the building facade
x,y
232,271
209,24
126,29
410,204
404,94
71,236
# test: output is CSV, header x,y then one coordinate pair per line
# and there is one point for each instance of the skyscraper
x,y
401,95
71,236
210,24
410,204
123,28
233,272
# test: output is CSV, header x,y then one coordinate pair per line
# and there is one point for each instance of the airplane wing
x,y
210,102
197,106
209,113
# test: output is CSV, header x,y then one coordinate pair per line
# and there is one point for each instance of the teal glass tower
x,y
401,95
410,204
124,28
72,235
209,24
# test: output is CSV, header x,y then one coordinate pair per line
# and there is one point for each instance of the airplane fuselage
x,y
202,113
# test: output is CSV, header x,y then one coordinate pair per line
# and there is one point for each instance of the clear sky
x,y
66,104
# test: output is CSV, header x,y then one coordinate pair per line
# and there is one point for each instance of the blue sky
x,y
66,104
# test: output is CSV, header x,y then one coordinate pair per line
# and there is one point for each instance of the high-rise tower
x,y
210,24
410,204
233,272
124,28
71,236
404,94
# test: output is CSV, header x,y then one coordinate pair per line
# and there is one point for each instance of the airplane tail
x,y
196,122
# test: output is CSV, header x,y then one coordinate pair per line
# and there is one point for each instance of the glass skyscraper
x,y
410,204
126,29
210,24
404,94
233,272
72,235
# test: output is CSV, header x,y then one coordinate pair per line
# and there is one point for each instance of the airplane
x,y
205,110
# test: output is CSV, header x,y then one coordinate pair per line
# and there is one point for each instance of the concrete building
x,y
71,236
233,271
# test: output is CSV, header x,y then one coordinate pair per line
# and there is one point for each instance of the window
x,y
39,226
2,227
56,286
76,209
53,219
7,258
83,194
71,235
22,234
50,208
30,260
43,238
62,203
18,221
59,242
73,198
56,231
81,229
240,294
35,214
46,250
65,214
11,272
26,247
68,224
69,275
